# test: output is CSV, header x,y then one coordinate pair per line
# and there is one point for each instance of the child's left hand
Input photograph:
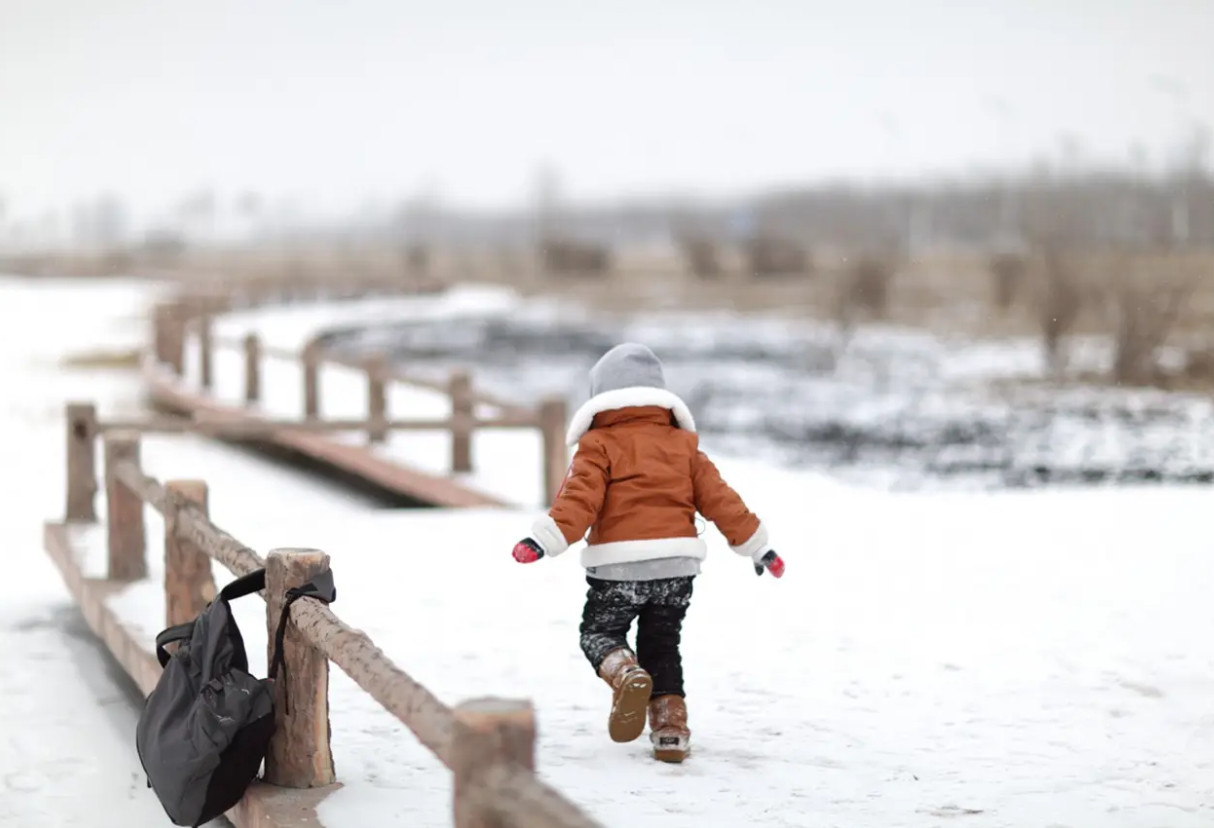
x,y
527,551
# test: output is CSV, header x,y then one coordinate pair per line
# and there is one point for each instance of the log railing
x,y
488,744
174,323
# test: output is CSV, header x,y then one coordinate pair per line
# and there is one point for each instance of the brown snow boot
x,y
630,687
668,729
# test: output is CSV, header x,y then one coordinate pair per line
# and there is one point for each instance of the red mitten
x,y
527,551
773,562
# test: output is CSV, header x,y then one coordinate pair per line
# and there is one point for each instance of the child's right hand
x,y
527,551
772,562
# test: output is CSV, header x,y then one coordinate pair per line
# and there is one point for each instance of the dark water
x,y
896,409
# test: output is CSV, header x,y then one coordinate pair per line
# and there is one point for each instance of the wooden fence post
x,y
311,380
463,420
252,369
299,754
127,539
81,463
174,330
487,733
206,349
377,398
160,349
556,457
188,583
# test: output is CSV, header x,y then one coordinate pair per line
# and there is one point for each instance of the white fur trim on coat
x,y
549,536
627,398
756,547
631,551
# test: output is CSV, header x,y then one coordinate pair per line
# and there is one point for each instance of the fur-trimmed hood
x,y
636,396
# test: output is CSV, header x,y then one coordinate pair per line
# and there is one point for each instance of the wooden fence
x,y
174,323
489,744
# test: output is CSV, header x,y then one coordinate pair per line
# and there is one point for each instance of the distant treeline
x,y
1093,208
1077,208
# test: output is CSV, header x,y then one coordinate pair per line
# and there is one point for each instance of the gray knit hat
x,y
629,365
628,375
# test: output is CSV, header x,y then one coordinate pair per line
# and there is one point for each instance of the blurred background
x,y
911,245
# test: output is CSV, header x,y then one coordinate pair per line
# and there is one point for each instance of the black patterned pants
x,y
658,608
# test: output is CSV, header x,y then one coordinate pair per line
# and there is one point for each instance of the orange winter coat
x,y
636,483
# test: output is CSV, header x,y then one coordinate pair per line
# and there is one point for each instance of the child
x,y
636,482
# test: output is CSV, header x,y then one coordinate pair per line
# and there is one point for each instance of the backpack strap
x,y
322,589
255,581
174,634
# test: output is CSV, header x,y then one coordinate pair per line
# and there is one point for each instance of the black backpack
x,y
206,726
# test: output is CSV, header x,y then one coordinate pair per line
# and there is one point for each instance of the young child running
x,y
637,480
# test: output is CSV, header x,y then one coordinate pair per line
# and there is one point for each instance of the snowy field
x,y
980,659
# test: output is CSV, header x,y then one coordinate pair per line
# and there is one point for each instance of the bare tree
x,y
570,257
701,255
1008,270
866,284
1145,311
415,258
771,256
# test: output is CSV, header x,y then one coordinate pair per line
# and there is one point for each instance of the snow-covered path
x,y
1030,659
67,752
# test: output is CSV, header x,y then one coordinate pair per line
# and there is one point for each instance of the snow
x,y
984,659
1024,656
67,751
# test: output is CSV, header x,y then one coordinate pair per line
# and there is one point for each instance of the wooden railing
x,y
174,323
488,744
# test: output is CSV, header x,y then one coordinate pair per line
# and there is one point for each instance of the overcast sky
x,y
338,100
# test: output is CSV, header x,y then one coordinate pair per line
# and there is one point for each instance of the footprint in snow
x,y
1144,690
953,811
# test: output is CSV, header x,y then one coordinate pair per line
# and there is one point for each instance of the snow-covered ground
x,y
67,754
982,659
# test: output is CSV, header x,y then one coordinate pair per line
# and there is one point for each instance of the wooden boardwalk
x,y
188,364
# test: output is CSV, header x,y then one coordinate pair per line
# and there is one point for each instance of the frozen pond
x,y
897,409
